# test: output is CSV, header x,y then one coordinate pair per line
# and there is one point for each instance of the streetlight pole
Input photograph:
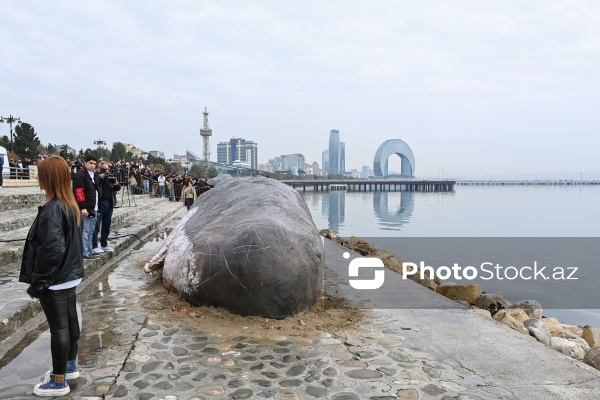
x,y
10,119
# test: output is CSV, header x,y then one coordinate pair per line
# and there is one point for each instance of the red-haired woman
x,y
53,266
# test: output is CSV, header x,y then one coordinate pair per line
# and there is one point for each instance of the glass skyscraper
x,y
337,154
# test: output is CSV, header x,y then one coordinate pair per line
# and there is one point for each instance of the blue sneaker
x,y
72,370
53,385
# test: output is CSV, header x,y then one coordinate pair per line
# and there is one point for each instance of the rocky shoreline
x,y
579,342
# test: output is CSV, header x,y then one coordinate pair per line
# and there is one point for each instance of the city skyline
x,y
509,90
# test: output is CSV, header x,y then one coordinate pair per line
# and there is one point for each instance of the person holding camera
x,y
109,186
86,189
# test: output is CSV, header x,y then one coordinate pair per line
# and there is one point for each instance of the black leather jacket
x,y
53,251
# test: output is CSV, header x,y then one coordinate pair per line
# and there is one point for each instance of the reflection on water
x,y
334,208
392,216
392,210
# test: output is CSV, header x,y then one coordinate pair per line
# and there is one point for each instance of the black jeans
x,y
105,218
60,307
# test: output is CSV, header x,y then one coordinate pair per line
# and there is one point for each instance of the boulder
x,y
328,233
538,330
516,313
554,325
433,286
390,260
337,239
492,302
468,293
248,245
574,338
485,313
531,307
359,245
591,335
573,329
568,348
592,357
504,317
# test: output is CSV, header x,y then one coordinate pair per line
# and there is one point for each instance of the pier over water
x,y
528,183
373,185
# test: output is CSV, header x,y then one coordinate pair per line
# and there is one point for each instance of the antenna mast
x,y
206,133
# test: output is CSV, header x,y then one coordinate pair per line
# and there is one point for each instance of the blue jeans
x,y
106,212
89,224
146,186
161,190
172,194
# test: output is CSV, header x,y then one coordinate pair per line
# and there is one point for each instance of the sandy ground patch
x,y
329,315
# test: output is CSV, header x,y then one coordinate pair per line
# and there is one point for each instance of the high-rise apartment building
x,y
291,161
238,151
366,172
313,169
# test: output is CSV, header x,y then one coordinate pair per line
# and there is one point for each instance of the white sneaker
x,y
108,249
97,250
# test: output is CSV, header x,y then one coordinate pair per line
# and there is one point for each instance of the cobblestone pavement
x,y
375,362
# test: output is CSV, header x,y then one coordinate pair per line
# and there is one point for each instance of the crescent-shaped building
x,y
399,148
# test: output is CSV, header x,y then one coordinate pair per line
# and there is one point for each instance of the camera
x,y
110,177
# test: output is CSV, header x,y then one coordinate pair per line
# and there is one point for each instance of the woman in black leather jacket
x,y
53,266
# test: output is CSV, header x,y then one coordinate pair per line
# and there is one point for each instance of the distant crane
x,y
206,133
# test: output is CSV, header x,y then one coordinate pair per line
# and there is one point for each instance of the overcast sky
x,y
473,87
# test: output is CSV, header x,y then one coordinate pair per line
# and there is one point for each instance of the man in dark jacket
x,y
108,186
1,169
87,194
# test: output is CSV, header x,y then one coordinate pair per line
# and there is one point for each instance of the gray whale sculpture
x,y
248,245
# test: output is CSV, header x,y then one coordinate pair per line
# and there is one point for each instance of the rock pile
x,y
390,259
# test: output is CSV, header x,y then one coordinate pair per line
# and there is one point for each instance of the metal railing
x,y
17,173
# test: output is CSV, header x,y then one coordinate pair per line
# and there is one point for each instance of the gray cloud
x,y
473,87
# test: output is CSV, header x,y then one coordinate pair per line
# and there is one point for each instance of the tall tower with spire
x,y
206,133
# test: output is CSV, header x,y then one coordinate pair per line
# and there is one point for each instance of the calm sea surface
x,y
469,211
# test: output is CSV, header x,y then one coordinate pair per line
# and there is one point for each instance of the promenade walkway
x,y
128,351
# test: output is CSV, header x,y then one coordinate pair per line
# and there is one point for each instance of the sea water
x,y
540,211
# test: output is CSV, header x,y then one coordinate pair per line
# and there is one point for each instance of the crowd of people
x,y
19,169
134,175
143,179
